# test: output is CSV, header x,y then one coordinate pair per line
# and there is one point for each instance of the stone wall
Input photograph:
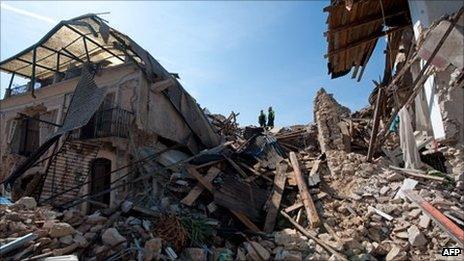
x,y
328,114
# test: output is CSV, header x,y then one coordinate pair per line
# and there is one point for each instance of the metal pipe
x,y
34,57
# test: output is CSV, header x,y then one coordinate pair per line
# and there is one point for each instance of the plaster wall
x,y
444,102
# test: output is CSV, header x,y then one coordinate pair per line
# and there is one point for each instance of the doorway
x,y
100,180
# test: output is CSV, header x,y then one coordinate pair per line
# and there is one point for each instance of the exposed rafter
x,y
372,37
365,21
92,41
36,64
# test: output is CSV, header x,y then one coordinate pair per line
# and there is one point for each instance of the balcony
x,y
114,122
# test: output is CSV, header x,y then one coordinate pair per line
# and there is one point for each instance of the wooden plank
x,y
443,222
236,166
308,202
294,207
208,164
250,225
417,173
244,198
252,170
367,20
279,187
375,127
162,85
199,188
365,40
192,171
291,179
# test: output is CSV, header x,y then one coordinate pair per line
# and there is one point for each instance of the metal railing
x,y
114,122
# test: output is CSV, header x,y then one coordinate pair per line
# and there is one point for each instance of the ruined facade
x,y
423,74
92,113
172,189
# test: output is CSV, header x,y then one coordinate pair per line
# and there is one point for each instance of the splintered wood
x,y
308,202
194,173
199,188
279,186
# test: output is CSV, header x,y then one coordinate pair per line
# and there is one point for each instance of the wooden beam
x,y
160,86
417,174
308,202
203,181
194,173
250,225
256,173
443,222
199,188
294,207
276,198
208,164
366,20
236,166
375,127
364,40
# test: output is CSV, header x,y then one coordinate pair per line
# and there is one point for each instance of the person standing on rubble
x,y
270,118
262,119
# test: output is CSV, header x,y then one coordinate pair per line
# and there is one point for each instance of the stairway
x,y
68,171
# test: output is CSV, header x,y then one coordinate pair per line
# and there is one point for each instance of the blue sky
x,y
231,56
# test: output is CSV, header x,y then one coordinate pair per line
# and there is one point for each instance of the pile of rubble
x,y
303,192
109,234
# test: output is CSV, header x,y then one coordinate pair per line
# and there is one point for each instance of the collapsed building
x,y
423,77
347,187
94,100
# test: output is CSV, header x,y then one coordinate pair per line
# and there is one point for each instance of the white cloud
x,y
23,12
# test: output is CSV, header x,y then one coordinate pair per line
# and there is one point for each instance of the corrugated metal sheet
x,y
86,100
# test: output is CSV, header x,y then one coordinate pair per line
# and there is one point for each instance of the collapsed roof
x,y
86,38
354,28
